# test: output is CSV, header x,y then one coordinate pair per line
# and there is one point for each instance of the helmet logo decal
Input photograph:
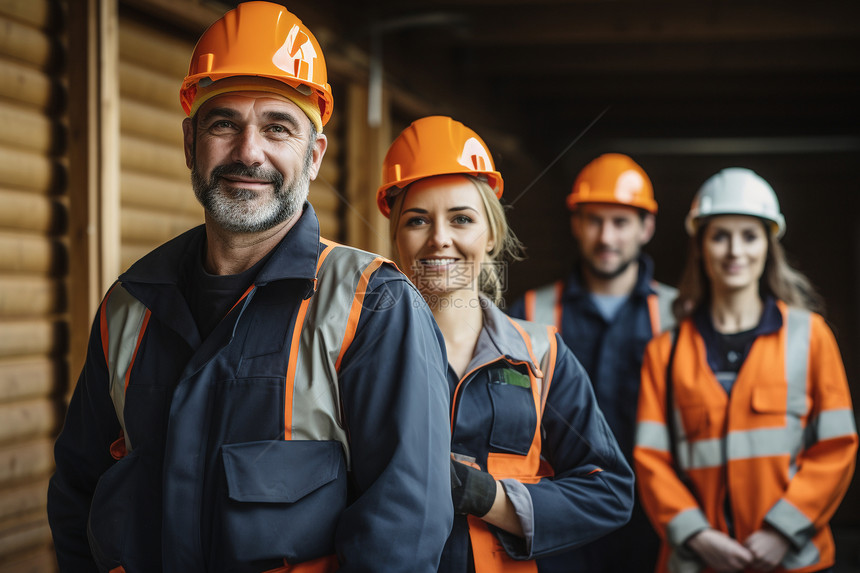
x,y
297,55
474,156
628,185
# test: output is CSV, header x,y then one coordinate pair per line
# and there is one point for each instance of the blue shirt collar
x,y
576,288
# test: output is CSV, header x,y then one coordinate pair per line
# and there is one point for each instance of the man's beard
x,y
610,274
235,211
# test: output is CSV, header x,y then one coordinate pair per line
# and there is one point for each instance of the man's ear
x,y
188,141
648,227
319,147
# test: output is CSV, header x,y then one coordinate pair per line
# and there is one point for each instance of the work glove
x,y
473,491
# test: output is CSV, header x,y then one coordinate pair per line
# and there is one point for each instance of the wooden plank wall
x,y
33,255
156,201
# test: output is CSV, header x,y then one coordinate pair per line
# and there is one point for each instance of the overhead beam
x,y
834,54
526,24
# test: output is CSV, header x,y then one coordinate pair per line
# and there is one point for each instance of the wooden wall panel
x,y
156,201
19,82
33,272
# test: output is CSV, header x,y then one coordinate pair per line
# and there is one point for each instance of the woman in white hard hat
x,y
535,468
746,441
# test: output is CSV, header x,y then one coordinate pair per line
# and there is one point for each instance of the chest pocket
x,y
514,415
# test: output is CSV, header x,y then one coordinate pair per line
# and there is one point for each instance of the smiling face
x,y
610,237
252,156
734,252
443,236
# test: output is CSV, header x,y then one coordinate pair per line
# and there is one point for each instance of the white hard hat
x,y
736,191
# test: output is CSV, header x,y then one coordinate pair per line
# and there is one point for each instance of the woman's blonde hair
x,y
506,246
779,278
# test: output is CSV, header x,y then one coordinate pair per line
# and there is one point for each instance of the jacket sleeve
x,y
395,402
670,506
82,455
826,466
591,493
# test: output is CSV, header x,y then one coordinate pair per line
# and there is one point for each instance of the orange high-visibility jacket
x,y
783,443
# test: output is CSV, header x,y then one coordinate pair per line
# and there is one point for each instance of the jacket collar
x,y
576,288
295,257
770,322
499,338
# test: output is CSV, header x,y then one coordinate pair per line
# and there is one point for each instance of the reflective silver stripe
x,y
539,341
806,556
701,454
791,522
666,295
125,316
758,443
684,524
316,411
797,334
540,348
740,446
652,435
545,301
834,424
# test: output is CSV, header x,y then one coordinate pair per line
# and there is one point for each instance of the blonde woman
x,y
535,469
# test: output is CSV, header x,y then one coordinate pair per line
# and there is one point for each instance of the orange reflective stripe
x,y
527,339
526,469
241,298
329,245
326,564
489,555
529,302
654,313
143,325
291,368
357,305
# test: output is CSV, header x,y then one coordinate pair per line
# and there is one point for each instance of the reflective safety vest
x,y
544,305
489,555
780,449
325,327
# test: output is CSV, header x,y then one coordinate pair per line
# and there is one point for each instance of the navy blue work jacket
x,y
211,484
611,352
591,491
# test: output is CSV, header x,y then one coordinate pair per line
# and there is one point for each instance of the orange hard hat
x,y
259,39
435,145
616,179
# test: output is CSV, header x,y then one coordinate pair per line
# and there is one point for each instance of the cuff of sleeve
x,y
515,546
791,523
684,525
